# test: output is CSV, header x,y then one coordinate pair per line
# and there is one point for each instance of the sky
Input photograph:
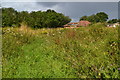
x,y
72,8
60,0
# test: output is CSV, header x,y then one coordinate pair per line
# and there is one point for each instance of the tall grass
x,y
85,52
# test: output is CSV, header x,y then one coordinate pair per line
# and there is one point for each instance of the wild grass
x,y
85,52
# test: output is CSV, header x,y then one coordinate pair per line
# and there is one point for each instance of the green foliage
x,y
9,17
99,17
90,52
98,24
113,21
38,19
93,18
83,18
102,16
23,17
14,38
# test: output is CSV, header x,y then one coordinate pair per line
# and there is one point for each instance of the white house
x,y
113,25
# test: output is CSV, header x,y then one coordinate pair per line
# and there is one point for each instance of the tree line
x,y
99,17
114,21
34,19
45,19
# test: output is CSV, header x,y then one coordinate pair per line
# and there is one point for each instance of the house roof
x,y
84,23
80,23
73,23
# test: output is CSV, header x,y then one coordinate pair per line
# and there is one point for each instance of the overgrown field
x,y
85,52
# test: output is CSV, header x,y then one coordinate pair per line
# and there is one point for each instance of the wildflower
x,y
59,32
99,74
21,35
111,45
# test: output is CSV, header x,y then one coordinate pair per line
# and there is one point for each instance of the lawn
x,y
85,52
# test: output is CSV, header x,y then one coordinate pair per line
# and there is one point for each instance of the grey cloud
x,y
59,0
47,4
74,10
78,9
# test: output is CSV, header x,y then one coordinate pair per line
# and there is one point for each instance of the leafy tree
x,y
23,16
99,17
47,19
83,18
113,21
119,20
102,16
93,18
49,10
9,17
35,19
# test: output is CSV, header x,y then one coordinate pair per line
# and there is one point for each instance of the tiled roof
x,y
84,23
80,23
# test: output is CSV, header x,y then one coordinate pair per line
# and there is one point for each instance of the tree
x,y
99,17
9,17
93,18
102,16
49,10
83,18
119,20
113,21
34,19
23,16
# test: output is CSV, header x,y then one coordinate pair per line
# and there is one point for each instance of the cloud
x,y
60,0
73,9
18,0
23,6
47,4
78,9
